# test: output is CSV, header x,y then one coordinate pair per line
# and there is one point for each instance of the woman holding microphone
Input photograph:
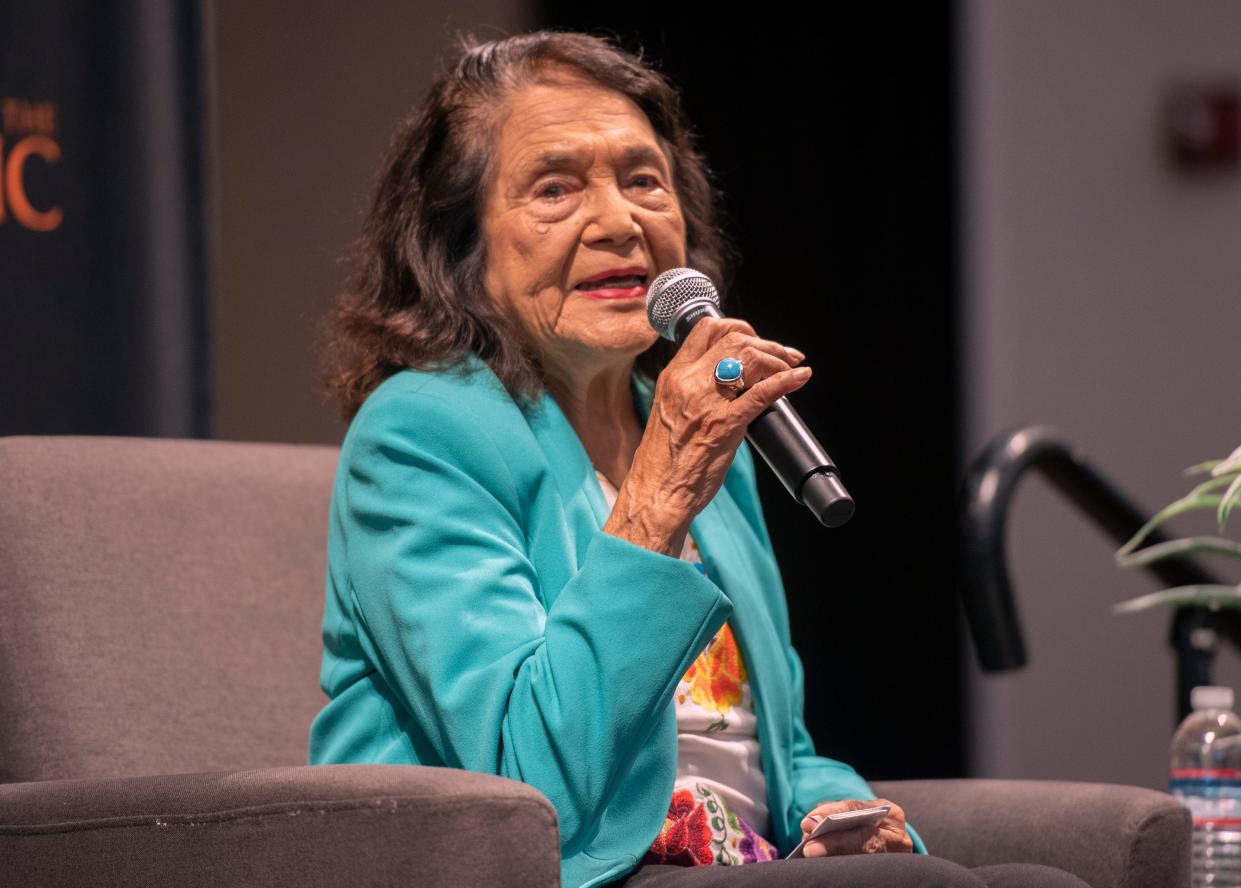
x,y
546,558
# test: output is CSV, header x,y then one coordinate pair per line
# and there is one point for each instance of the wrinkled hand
x,y
695,427
887,835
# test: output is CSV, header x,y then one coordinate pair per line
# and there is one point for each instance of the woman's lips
x,y
615,283
618,283
638,292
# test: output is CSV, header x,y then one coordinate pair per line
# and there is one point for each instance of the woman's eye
x,y
644,180
552,191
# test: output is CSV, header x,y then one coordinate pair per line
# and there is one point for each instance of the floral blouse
x,y
718,811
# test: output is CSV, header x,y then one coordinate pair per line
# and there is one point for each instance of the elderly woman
x,y
546,555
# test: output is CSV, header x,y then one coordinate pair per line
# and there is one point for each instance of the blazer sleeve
x,y
452,608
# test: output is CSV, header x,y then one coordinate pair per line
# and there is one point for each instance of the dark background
x,y
103,321
834,147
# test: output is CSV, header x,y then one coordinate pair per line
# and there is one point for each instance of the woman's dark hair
x,y
415,294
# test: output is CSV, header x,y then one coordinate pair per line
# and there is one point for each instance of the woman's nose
x,y
611,217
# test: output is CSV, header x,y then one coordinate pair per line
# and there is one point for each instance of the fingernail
x,y
795,353
801,373
810,822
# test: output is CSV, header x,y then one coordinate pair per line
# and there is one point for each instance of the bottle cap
x,y
1211,697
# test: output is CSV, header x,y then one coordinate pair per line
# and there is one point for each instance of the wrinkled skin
x,y
886,836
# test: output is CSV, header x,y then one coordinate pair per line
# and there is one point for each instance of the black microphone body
x,y
778,433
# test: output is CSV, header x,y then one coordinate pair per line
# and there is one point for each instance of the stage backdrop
x,y
102,257
834,149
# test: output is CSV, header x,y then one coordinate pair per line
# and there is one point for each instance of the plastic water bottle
x,y
1206,777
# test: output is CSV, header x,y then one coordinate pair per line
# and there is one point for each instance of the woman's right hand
x,y
889,834
695,427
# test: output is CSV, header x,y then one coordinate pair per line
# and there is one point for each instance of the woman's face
x,y
580,188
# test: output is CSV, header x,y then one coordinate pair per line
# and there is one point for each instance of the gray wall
x,y
306,97
1102,299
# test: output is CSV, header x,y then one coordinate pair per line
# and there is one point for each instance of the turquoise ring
x,y
728,373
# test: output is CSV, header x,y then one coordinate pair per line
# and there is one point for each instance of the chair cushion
x,y
154,616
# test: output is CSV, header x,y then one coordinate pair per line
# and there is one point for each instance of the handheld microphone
x,y
679,298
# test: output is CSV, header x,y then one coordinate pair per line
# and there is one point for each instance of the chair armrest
x,y
1109,835
329,825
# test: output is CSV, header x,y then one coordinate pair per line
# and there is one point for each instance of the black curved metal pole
x,y
990,606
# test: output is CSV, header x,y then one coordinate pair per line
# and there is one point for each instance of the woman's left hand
x,y
888,834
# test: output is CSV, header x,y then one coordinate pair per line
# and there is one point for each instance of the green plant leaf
x,y
1179,507
1201,467
1213,484
1231,464
1174,548
1200,595
1231,496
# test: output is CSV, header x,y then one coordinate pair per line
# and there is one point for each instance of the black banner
x,y
103,258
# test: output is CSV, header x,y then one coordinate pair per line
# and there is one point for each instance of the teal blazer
x,y
478,617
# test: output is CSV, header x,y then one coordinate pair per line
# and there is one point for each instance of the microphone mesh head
x,y
673,289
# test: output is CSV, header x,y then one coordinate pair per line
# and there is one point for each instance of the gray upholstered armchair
x,y
160,603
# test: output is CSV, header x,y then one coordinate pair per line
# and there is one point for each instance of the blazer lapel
x,y
570,466
716,531
732,564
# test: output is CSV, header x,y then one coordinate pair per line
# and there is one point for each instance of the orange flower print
x,y
715,677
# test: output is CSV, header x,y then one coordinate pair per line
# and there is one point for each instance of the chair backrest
x,y
160,604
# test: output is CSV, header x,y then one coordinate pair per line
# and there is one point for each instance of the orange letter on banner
x,y
23,212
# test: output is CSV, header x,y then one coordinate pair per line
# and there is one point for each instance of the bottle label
x,y
1213,795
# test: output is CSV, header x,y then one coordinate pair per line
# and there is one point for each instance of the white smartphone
x,y
840,821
